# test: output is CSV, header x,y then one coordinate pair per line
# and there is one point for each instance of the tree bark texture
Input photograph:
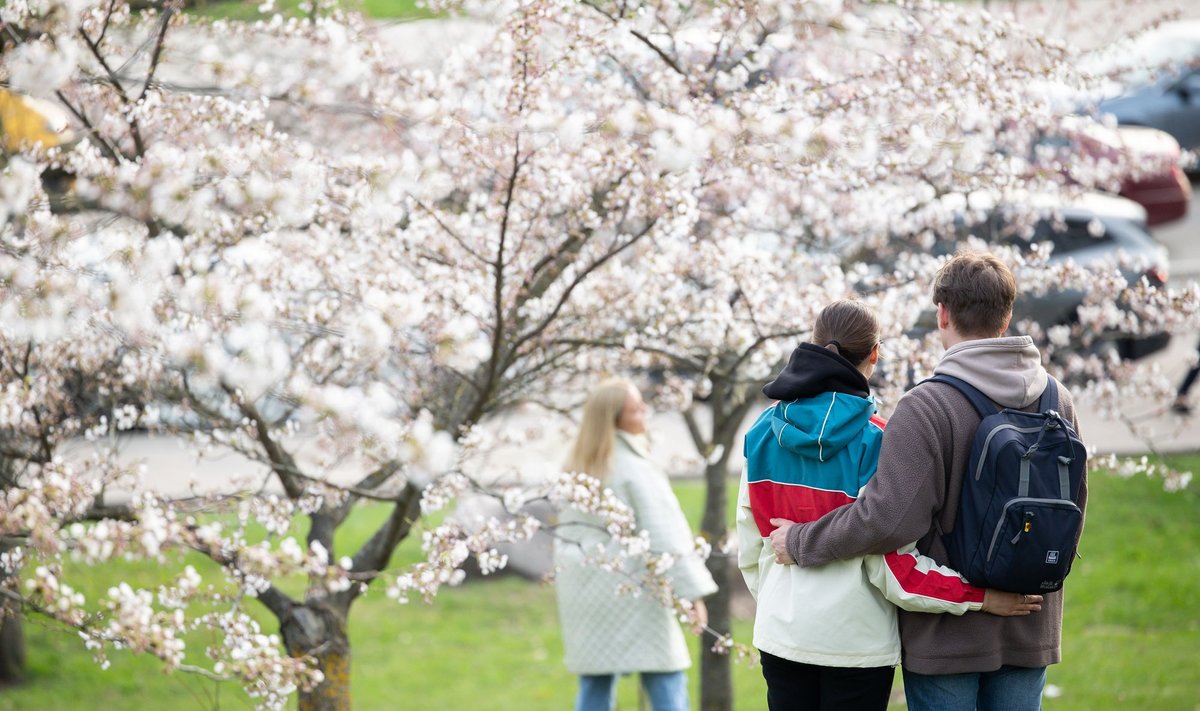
x,y
12,631
12,648
730,402
716,676
318,629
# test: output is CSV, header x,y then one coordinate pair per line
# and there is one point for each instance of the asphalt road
x,y
1182,239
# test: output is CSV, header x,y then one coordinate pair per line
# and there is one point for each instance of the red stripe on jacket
x,y
930,583
794,502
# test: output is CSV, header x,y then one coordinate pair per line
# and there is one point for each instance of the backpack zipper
x,y
988,441
1004,516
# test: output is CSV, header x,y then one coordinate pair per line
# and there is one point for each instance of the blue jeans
x,y
668,691
1006,689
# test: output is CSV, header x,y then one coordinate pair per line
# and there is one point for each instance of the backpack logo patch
x,y
1051,557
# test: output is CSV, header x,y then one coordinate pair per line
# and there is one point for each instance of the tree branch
x,y
274,599
693,427
282,462
368,483
135,130
277,602
373,557
642,38
108,150
579,277
168,11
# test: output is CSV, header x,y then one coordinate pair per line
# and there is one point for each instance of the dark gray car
x,y
1107,232
1100,232
1158,75
1170,104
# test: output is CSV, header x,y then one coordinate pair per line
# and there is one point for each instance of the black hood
x,y
813,370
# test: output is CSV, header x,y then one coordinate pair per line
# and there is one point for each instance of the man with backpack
x,y
974,661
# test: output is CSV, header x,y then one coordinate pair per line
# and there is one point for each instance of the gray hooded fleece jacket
x,y
926,445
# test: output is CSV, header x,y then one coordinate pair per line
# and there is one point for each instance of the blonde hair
x,y
592,452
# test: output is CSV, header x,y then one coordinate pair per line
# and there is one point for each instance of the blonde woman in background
x,y
606,632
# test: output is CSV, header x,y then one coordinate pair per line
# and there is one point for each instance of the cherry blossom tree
x,y
276,239
807,188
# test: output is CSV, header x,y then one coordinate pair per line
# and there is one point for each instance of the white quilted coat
x,y
608,632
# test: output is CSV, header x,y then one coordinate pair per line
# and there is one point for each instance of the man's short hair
x,y
978,291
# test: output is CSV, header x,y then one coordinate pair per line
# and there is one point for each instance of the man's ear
x,y
1007,321
943,317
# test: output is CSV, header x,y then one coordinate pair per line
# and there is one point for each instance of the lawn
x,y
248,9
1131,632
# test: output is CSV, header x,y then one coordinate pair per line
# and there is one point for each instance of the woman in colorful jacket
x,y
607,631
828,636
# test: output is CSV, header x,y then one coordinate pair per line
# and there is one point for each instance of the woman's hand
x,y
699,616
1006,604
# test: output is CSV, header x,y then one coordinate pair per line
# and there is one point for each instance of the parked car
x,y
1166,97
1157,181
1171,103
1093,232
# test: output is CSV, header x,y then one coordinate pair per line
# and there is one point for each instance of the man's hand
x,y
1006,604
779,540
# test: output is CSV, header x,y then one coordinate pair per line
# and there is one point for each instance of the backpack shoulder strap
x,y
979,401
1049,399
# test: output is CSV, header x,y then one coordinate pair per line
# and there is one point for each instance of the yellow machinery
x,y
26,122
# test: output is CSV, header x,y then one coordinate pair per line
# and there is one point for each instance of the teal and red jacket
x,y
806,456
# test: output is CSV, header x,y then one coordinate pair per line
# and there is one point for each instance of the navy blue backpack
x,y
1017,519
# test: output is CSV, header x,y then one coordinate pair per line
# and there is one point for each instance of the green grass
x,y
247,10
1130,639
1131,628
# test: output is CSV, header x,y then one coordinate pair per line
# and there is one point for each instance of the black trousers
x,y
792,686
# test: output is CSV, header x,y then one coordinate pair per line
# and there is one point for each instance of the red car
x,y
1156,181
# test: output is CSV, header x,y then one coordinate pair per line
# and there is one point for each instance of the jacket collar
x,y
634,443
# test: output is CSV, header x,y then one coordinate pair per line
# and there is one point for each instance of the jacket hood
x,y
819,427
1008,370
813,370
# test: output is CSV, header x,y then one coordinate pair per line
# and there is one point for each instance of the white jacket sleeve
x,y
916,583
750,543
657,511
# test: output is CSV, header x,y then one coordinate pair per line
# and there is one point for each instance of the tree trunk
x,y
729,402
12,648
317,629
716,680
12,631
715,674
